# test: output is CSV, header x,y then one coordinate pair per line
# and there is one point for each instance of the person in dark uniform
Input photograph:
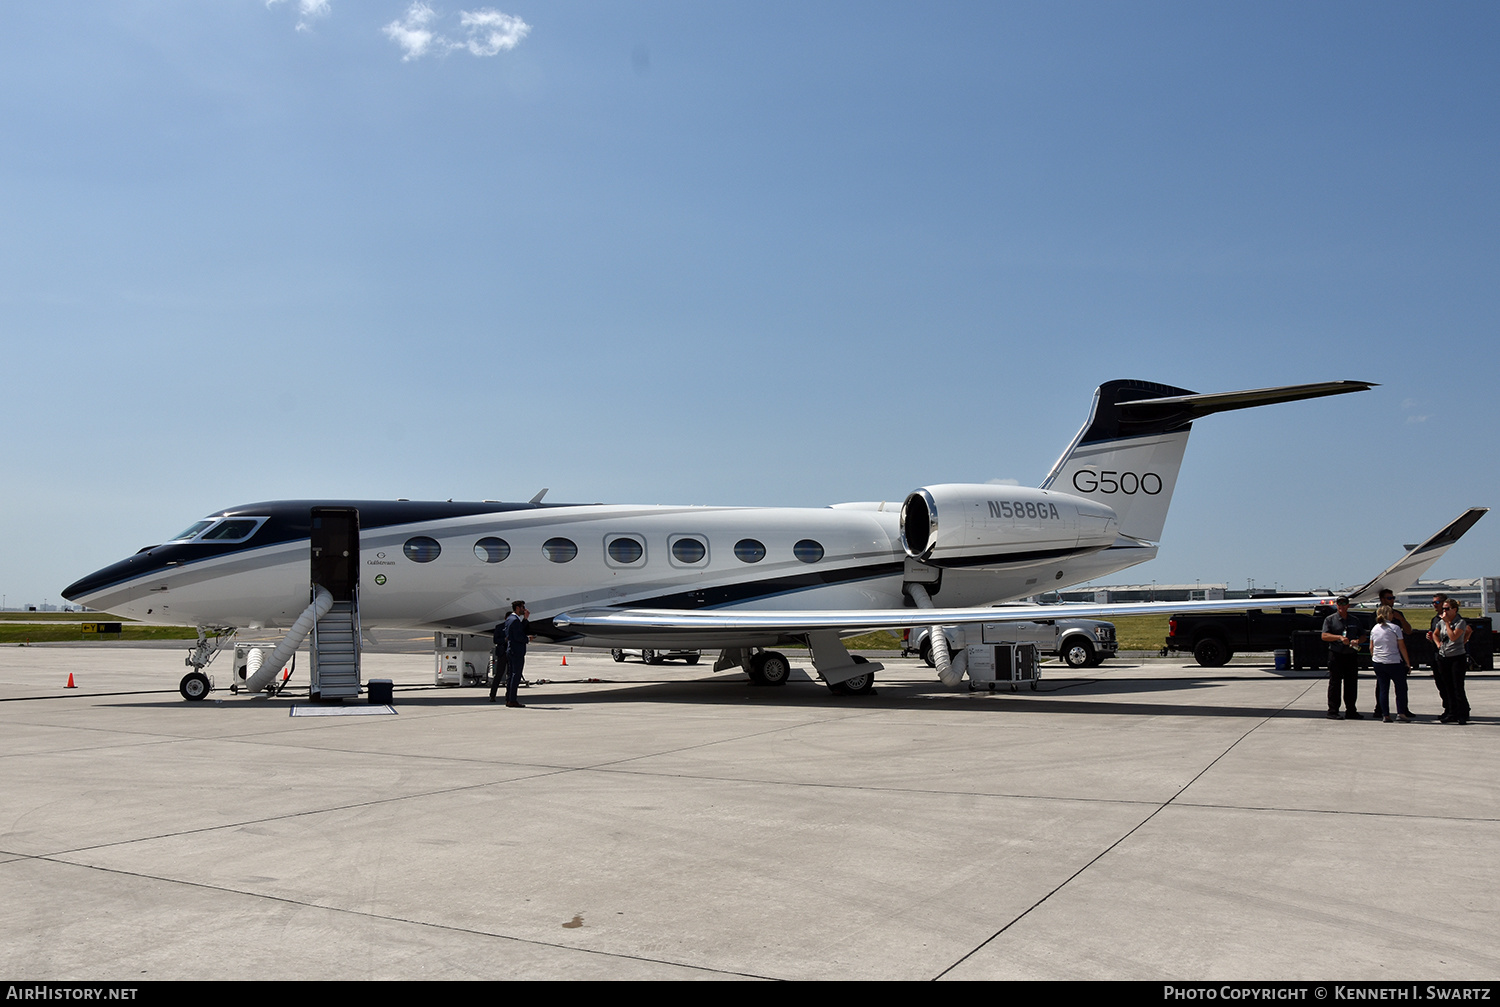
x,y
1341,633
517,632
1438,679
497,660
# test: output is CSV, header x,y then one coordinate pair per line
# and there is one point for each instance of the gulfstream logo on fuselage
x,y
1018,508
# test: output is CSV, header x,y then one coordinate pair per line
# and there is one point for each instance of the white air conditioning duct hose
x,y
937,639
322,602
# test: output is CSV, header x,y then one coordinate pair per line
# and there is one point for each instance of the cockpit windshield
x,y
229,529
232,529
190,531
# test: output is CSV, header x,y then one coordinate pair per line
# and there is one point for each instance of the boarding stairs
x,y
335,652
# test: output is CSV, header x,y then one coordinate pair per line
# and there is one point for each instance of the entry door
x,y
335,550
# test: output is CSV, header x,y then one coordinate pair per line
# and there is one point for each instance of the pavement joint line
x,y
1328,811
541,773
300,814
92,695
448,927
1132,831
866,788
1052,797
251,740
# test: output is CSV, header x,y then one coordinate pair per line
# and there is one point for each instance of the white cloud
x,y
411,32
489,32
306,11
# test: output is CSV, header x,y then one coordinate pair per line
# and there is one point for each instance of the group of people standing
x,y
1449,633
511,637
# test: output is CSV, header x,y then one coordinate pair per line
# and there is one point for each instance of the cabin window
x,y
560,550
492,550
422,549
688,550
748,550
808,551
624,550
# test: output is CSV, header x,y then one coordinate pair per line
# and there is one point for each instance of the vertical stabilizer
x,y
1129,452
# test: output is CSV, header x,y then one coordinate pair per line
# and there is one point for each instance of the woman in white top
x,y
1388,652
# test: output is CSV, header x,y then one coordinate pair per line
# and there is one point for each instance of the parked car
x,y
656,656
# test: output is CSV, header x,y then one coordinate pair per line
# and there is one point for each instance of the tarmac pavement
x,y
1143,820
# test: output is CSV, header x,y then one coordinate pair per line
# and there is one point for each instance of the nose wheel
x,y
194,686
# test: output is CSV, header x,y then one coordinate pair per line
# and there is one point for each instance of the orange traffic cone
x,y
70,684
565,660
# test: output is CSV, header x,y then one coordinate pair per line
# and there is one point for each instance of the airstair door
x,y
335,637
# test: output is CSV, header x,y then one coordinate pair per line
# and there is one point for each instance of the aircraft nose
x,y
90,587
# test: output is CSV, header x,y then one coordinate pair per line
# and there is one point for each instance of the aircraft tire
x,y
775,669
1211,652
1078,653
859,685
194,686
617,654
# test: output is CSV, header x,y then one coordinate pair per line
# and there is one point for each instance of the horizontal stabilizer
x,y
1172,411
1405,571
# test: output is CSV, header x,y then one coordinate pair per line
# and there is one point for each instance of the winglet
x,y
1404,572
538,498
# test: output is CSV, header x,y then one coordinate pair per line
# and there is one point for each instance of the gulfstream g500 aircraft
x,y
743,579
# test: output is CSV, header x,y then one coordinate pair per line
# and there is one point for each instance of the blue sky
x,y
744,254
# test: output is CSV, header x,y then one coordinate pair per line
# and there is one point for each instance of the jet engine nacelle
x,y
980,525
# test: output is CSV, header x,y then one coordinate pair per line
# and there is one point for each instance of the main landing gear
x,y
860,685
769,667
850,674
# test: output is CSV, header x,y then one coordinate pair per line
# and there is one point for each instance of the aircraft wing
x,y
1404,572
647,622
706,624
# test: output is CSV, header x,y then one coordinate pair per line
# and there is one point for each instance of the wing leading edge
x,y
648,622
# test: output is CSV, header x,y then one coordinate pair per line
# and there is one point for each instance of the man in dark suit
x,y
517,632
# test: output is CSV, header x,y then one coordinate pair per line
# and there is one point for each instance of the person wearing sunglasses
x,y
1450,634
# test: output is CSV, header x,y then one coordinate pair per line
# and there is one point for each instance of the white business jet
x,y
738,579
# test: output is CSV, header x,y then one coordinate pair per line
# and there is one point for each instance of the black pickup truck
x,y
1214,638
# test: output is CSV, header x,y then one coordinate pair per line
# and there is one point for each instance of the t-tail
x,y
1128,453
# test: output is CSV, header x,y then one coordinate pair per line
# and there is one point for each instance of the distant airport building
x,y
1112,593
1470,593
